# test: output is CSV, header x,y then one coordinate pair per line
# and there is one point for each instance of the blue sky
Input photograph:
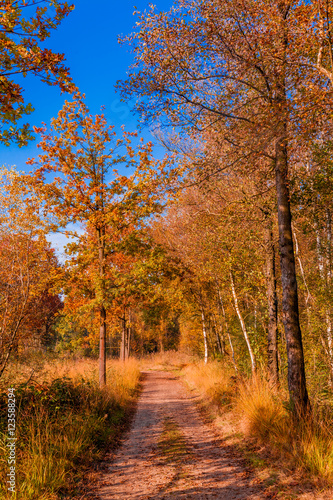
x,y
88,38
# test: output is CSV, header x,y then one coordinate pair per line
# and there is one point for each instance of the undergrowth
x,y
63,423
168,360
262,414
306,444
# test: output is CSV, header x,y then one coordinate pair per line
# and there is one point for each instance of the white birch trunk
x,y
328,345
204,332
227,330
240,317
298,257
329,276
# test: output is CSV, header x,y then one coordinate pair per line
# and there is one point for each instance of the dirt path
x,y
186,462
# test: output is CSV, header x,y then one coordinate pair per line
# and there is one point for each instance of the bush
x,y
63,424
261,411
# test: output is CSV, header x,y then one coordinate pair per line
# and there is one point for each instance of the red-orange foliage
x,y
21,52
28,268
82,152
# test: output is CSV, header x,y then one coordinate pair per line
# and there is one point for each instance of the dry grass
x,y
64,422
213,380
262,410
263,419
169,360
46,370
307,445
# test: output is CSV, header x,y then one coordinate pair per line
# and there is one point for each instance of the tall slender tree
x,y
82,152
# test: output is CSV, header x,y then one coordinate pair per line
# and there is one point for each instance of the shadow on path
x,y
139,470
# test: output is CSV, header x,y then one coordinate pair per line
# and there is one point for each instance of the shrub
x,y
64,421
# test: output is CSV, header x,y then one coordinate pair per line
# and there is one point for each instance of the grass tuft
x,y
263,413
261,410
64,423
213,380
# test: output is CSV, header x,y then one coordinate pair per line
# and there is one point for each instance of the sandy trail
x,y
139,471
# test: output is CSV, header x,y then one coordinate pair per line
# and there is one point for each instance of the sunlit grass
x,y
168,360
261,412
214,380
64,422
172,443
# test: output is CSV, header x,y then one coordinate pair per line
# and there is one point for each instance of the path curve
x,y
140,472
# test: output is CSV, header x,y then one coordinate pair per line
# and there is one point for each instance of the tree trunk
x,y
227,328
102,328
123,340
161,342
329,349
329,279
298,258
326,282
299,399
102,350
219,339
129,331
240,317
319,250
296,372
329,244
204,332
161,335
272,340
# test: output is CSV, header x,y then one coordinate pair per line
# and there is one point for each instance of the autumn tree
x,y
240,70
126,253
82,152
24,27
222,265
28,267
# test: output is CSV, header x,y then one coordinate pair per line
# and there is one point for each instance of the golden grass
x,y
261,408
73,368
64,422
313,449
264,416
261,412
168,360
213,380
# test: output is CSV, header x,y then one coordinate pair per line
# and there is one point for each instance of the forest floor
x,y
171,453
